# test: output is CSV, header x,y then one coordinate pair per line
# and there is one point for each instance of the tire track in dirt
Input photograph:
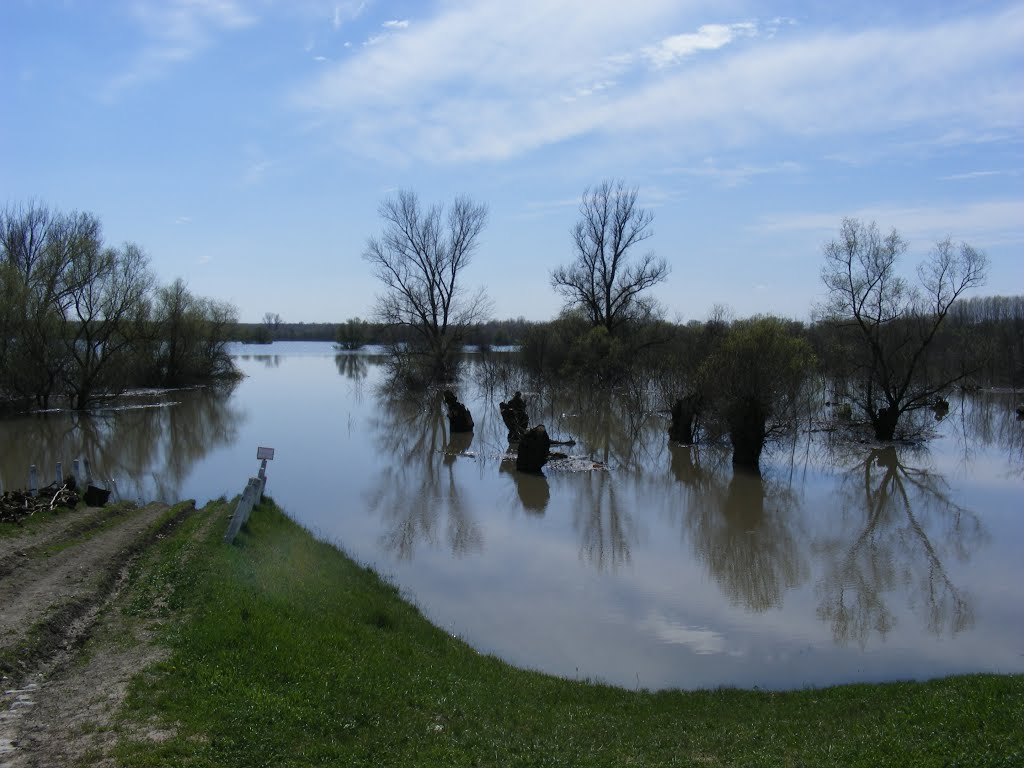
x,y
51,603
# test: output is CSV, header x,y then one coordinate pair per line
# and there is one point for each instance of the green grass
x,y
286,653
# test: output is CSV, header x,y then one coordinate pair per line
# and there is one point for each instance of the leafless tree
x,y
893,322
421,257
604,279
24,234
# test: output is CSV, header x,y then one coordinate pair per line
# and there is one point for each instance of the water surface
x,y
637,562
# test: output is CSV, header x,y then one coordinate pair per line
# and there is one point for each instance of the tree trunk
x,y
684,419
747,433
885,422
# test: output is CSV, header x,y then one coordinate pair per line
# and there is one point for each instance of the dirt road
x,y
66,651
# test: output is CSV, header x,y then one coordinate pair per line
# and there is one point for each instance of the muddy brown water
x,y
634,561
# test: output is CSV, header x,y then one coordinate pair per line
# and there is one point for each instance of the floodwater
x,y
634,562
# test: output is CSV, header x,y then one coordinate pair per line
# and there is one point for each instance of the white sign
x,y
264,453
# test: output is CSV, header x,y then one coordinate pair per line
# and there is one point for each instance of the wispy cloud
x,y
735,175
980,175
173,32
476,82
343,13
983,223
396,24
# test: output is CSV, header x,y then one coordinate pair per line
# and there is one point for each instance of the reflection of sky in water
x,y
662,570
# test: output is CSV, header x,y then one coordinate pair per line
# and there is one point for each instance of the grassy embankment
x,y
286,653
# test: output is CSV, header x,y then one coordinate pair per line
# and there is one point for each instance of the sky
x,y
247,144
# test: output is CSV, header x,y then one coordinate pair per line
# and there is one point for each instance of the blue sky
x,y
246,144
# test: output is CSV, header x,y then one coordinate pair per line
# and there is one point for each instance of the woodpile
x,y
17,506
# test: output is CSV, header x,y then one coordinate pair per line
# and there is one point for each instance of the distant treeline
x,y
356,332
989,328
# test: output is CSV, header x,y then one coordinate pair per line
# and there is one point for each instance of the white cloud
x,y
175,31
737,175
396,24
707,38
342,13
983,223
476,82
980,175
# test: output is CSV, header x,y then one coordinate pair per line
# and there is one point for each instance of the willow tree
x,y
758,376
421,257
891,323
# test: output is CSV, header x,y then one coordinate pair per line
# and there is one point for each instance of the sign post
x,y
263,455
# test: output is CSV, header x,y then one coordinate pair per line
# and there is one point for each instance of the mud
x,y
67,650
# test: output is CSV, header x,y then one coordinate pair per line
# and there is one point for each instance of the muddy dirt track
x,y
67,651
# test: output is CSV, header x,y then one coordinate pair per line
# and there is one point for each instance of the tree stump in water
x,y
534,447
459,417
684,419
513,413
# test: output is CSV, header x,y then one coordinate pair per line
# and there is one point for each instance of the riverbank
x,y
281,651
285,652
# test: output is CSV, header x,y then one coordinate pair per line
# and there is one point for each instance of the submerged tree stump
x,y
534,447
684,419
513,413
459,417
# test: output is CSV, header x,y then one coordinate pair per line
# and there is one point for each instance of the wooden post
x,y
262,480
242,510
33,480
88,471
60,474
76,470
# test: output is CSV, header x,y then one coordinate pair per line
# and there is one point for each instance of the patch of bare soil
x,y
65,526
67,648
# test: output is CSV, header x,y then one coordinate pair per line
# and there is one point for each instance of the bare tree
x,y
24,234
604,280
420,257
892,322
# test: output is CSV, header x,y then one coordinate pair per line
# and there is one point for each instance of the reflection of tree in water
x,y
416,489
888,510
603,522
616,427
148,449
354,367
269,361
742,529
533,490
988,419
